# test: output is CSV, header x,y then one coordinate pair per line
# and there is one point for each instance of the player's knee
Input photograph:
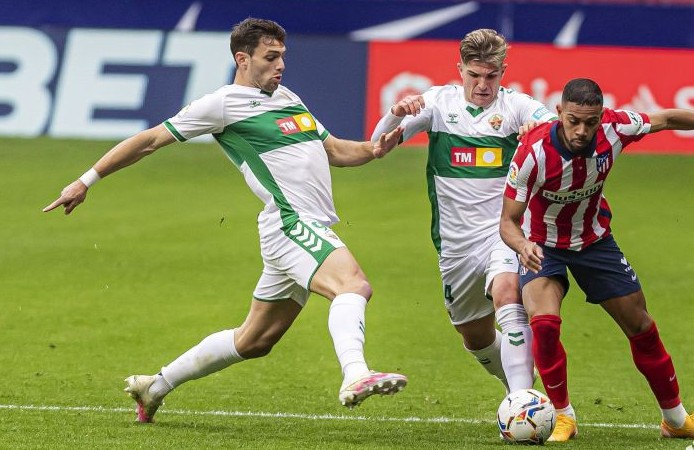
x,y
356,285
364,289
258,349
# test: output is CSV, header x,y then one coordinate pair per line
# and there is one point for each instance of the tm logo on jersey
x,y
296,124
476,157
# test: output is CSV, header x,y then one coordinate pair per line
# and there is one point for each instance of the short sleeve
x,y
202,116
521,174
629,125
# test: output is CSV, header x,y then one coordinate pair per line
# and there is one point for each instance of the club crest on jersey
x,y
603,162
495,121
476,157
296,124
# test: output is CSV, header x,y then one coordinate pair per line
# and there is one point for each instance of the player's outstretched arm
x,y
345,153
122,155
671,119
411,105
530,254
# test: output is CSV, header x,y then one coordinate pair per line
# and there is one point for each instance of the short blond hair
x,y
484,45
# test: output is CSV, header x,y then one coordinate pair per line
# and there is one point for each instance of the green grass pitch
x,y
166,252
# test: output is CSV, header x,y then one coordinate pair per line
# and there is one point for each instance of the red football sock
x,y
550,358
654,362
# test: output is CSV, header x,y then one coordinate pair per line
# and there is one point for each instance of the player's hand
x,y
526,127
70,197
410,105
387,142
531,256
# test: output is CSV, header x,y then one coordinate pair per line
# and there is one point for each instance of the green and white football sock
x,y
346,323
214,353
516,346
490,359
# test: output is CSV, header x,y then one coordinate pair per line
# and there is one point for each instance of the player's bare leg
x,y
341,280
483,341
542,298
264,326
653,361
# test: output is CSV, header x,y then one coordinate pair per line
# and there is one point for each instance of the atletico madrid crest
x,y
603,163
495,121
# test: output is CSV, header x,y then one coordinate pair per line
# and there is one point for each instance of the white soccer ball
x,y
526,416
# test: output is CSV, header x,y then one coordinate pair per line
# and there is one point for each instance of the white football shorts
x,y
302,250
467,279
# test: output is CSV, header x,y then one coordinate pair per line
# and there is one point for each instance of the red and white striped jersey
x,y
563,191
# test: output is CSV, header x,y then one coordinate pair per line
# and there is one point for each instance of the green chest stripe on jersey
x,y
239,150
275,129
441,143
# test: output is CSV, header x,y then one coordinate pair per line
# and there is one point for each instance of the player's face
x,y
264,69
481,81
579,125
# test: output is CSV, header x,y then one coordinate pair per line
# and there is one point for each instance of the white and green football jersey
x,y
470,149
277,145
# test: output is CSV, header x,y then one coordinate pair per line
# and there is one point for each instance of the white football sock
x,y
212,354
490,359
516,346
346,323
676,416
568,411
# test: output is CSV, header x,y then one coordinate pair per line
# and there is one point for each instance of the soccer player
x,y
473,132
284,154
555,216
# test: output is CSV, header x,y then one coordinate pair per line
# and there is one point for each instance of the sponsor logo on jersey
x,y
573,196
512,178
476,157
635,118
541,111
254,104
495,121
452,118
603,162
296,124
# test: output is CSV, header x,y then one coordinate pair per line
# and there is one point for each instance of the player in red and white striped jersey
x,y
555,217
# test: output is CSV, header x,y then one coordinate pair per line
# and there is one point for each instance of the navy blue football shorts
x,y
601,270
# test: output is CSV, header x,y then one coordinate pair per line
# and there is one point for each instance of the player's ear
x,y
241,58
558,108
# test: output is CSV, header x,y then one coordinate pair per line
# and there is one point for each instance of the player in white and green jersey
x,y
284,154
473,132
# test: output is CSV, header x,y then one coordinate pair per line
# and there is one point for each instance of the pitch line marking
x,y
282,415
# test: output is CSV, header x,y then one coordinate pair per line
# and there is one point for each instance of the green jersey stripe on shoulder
x,y
239,149
278,128
174,131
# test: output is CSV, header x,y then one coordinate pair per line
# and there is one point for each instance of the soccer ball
x,y
526,416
